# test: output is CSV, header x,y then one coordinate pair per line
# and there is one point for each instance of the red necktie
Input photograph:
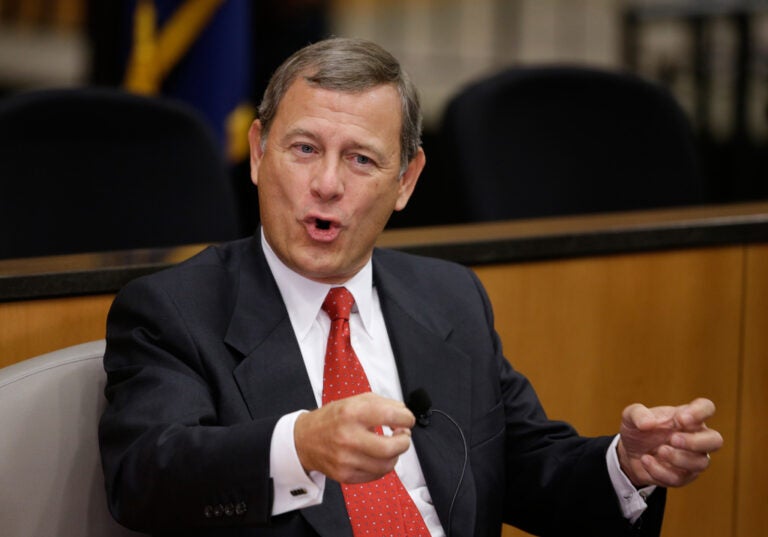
x,y
382,507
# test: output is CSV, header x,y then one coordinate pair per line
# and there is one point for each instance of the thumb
x,y
639,417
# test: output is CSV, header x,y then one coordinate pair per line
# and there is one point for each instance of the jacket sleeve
x,y
169,459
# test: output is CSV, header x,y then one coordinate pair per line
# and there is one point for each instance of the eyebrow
x,y
378,155
299,132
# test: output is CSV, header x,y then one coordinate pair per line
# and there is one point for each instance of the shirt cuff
x,y
293,488
631,499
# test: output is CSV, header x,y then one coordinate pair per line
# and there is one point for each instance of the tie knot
x,y
338,303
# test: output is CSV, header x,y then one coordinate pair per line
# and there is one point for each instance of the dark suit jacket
x,y
202,362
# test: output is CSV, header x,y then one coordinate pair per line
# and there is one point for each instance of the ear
x,y
409,179
254,139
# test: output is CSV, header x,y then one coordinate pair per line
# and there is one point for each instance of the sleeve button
x,y
241,508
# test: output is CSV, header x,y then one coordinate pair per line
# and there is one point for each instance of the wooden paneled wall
x,y
751,438
34,327
597,334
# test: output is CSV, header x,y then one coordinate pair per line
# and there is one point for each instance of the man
x,y
229,414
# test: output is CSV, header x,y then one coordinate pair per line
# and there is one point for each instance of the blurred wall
x,y
447,43
712,54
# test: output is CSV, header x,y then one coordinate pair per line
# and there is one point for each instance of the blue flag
x,y
200,52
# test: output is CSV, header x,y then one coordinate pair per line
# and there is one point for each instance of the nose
x,y
326,182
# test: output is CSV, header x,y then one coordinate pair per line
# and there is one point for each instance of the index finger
x,y
387,412
692,416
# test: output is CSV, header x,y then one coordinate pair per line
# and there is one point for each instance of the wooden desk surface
x,y
473,244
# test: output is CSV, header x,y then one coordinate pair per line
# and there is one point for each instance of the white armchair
x,y
51,481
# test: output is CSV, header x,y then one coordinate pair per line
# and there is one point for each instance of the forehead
x,y
376,109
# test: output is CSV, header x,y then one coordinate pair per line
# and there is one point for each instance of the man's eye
x,y
306,148
362,159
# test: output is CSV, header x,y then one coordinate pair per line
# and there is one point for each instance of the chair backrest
x,y
553,140
51,482
95,169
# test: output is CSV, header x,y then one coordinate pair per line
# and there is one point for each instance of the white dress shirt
x,y
303,299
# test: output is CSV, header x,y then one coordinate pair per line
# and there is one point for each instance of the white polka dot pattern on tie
x,y
382,507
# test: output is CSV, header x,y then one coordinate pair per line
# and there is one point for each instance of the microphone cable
x,y
463,466
420,404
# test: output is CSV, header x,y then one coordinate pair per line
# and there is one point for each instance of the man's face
x,y
329,177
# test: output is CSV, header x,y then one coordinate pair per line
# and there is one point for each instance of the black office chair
x,y
557,140
87,170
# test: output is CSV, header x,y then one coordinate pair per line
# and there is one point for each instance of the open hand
x,y
666,445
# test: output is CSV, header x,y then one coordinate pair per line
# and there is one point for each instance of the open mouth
x,y
323,230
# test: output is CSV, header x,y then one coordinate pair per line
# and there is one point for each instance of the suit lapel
x,y
272,377
418,332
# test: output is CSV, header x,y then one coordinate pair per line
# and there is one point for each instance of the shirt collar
x,y
304,297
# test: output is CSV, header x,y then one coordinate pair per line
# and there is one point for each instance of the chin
x,y
314,269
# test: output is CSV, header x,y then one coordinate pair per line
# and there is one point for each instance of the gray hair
x,y
349,65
